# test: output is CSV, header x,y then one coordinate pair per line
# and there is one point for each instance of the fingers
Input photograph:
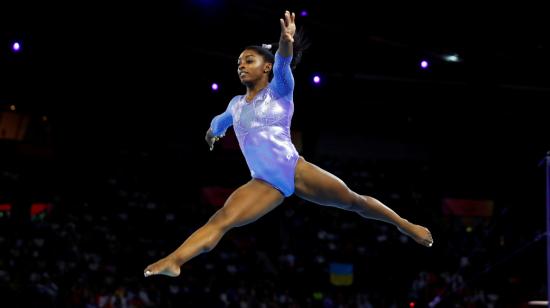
x,y
211,142
287,26
289,19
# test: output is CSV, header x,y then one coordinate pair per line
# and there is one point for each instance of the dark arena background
x,y
104,167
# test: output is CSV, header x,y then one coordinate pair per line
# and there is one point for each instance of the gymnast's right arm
x,y
219,125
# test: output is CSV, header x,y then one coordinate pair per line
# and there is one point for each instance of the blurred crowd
x,y
90,248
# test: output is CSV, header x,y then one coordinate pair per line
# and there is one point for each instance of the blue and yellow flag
x,y
341,274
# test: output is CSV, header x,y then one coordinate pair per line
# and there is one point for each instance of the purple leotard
x,y
263,128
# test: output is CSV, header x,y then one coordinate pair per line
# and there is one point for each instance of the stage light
x,y
215,87
316,79
424,64
16,47
303,13
452,58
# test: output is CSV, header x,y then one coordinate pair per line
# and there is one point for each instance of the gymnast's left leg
x,y
319,186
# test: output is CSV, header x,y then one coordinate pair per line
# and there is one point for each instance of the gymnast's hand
x,y
210,139
288,27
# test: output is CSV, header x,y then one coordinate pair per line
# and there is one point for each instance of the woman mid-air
x,y
261,119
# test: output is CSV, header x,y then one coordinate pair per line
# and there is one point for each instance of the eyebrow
x,y
247,55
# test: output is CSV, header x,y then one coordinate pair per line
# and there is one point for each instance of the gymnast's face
x,y
252,67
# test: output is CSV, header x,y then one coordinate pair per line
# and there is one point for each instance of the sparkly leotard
x,y
263,128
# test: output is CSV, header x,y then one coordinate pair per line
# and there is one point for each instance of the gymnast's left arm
x,y
283,81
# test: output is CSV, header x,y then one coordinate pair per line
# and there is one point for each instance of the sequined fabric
x,y
262,127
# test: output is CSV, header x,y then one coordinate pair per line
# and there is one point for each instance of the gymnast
x,y
261,120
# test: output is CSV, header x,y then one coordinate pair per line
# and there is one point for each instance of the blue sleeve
x,y
283,81
221,122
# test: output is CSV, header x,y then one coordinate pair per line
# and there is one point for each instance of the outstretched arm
x,y
219,125
288,28
283,81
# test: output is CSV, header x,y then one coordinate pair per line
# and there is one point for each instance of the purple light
x,y
215,86
316,79
303,13
424,64
16,46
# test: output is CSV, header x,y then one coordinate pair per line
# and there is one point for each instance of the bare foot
x,y
420,234
166,266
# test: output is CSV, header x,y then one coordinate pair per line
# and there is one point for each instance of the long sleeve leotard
x,y
262,127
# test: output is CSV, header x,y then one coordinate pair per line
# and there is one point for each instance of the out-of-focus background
x,y
439,110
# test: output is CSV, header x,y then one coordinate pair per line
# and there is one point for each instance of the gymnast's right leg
x,y
245,205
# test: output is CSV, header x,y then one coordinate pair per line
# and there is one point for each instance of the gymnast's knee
x,y
356,201
224,219
349,201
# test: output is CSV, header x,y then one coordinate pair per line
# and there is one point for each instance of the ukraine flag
x,y
341,274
